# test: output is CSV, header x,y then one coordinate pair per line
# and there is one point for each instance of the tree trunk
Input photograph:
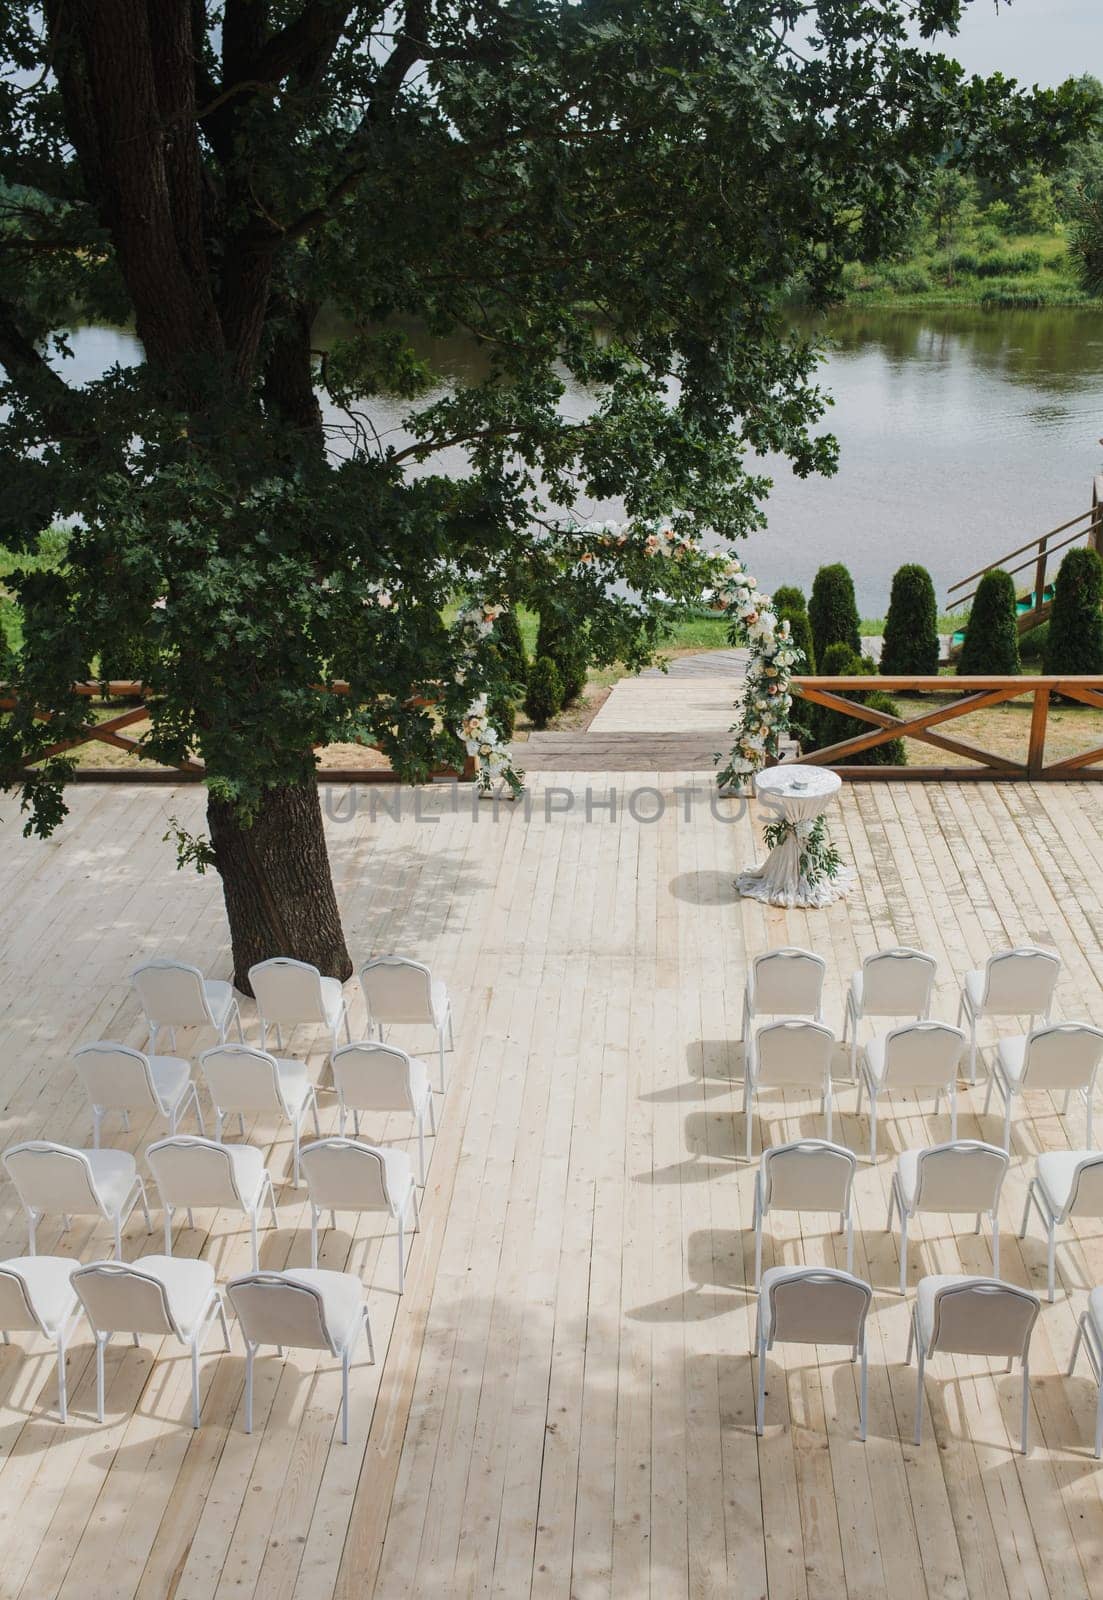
x,y
277,883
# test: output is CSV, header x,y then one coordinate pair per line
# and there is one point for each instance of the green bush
x,y
1032,643
511,648
911,627
801,714
563,642
1008,263
787,597
503,714
908,279
833,611
1075,640
991,633
832,727
544,695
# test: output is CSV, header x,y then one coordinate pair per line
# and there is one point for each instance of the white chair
x,y
812,1305
377,1077
1066,1183
290,992
1013,983
36,1296
806,1175
158,1295
892,983
117,1078
346,1175
790,1054
242,1079
1062,1055
915,1057
1089,1333
972,1317
198,1172
303,1309
52,1178
962,1176
398,990
175,995
783,983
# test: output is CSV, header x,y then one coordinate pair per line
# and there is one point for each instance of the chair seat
x,y
295,1084
342,1298
333,1000
113,1172
48,1285
1055,1172
248,1164
1095,1313
907,1173
1011,1055
220,998
171,1079
187,1284
439,1000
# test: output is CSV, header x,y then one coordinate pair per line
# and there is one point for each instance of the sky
x,y
1035,41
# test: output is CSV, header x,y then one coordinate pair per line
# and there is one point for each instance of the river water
x,y
962,434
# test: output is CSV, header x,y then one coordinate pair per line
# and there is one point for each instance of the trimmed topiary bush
x,y
832,727
911,627
511,648
544,695
991,634
800,630
833,611
789,598
1075,640
564,643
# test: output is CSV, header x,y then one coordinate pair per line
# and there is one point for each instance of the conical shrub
x,y
991,646
833,611
910,645
1074,643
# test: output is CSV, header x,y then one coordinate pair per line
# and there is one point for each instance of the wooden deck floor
x,y
563,1404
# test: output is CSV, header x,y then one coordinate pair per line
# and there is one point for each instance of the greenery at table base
x,y
819,858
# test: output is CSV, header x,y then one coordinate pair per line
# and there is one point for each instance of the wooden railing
x,y
110,732
970,695
1036,553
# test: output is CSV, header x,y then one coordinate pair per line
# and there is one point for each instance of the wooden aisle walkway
x,y
563,1405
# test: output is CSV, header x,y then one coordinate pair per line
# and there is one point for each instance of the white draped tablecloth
x,y
796,794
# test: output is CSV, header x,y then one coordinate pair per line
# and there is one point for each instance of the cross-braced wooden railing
x,y
188,771
970,695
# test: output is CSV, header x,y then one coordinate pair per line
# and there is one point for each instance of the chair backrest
x,y
921,1054
793,1052
372,1077
397,989
192,1171
287,991
788,980
121,1298
116,1077
346,1175
807,1175
983,1317
53,1177
172,992
818,1305
242,1078
897,982
17,1312
1062,1055
275,1309
961,1175
1021,981
1086,1191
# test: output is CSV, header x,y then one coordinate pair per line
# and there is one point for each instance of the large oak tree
x,y
615,189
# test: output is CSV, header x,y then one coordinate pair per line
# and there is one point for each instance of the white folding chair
x,y
1060,1056
1066,1184
964,1175
914,1058
806,1175
1013,983
966,1316
378,1077
812,1305
53,1178
291,992
157,1295
302,1309
175,995
117,1078
242,1079
192,1173
347,1175
790,1054
892,983
398,990
36,1296
783,983
1089,1333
